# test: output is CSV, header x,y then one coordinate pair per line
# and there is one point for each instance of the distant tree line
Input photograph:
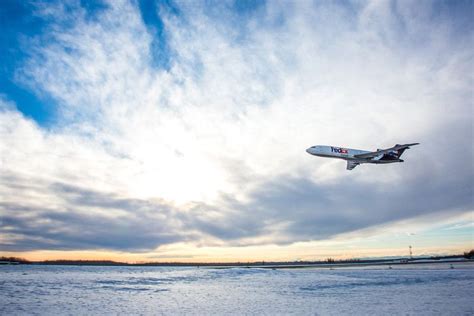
x,y
469,255
466,255
14,259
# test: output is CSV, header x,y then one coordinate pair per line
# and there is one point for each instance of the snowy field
x,y
414,290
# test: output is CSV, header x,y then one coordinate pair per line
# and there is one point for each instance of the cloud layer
x,y
207,146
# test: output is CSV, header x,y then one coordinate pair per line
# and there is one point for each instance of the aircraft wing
x,y
351,164
384,151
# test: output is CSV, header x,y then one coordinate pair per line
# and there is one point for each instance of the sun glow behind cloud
x,y
207,149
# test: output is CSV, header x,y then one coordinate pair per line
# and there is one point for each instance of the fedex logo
x,y
338,150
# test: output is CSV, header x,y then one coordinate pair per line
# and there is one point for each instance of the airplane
x,y
356,157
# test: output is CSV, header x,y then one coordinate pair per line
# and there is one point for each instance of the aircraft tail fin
x,y
402,148
395,151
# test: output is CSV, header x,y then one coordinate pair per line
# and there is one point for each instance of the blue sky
x,y
169,128
18,23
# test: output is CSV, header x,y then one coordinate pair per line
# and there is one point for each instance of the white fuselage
x,y
346,154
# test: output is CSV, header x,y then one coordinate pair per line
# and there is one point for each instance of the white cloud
x,y
240,102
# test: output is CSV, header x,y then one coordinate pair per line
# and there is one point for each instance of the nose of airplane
x,y
308,150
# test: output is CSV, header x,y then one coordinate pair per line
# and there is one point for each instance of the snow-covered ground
x,y
418,289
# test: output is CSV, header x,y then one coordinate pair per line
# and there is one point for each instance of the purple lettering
x,y
338,150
